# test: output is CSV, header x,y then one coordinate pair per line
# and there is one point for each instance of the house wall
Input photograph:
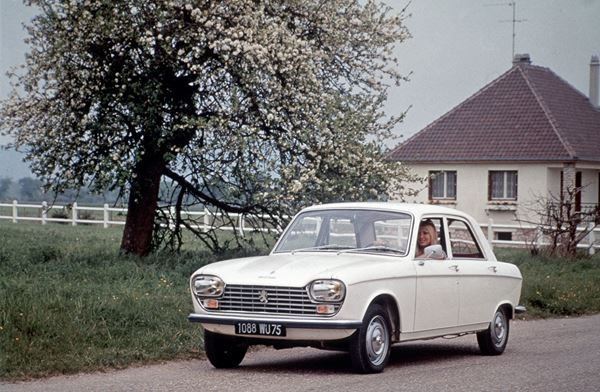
x,y
535,181
589,182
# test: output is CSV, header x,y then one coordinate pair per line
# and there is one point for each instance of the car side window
x,y
462,241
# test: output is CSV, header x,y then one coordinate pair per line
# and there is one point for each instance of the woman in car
x,y
427,237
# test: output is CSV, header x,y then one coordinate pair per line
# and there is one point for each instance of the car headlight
x,y
208,286
327,290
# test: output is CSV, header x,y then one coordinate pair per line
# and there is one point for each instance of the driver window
x,y
430,233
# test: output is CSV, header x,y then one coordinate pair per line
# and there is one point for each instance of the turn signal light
x,y
211,303
325,309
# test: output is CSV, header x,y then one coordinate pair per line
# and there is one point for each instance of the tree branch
x,y
201,195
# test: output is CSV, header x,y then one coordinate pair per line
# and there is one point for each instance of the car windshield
x,y
353,230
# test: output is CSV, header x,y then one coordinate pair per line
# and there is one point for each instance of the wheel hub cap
x,y
377,340
499,329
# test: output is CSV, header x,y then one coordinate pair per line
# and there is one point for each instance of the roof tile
x,y
528,113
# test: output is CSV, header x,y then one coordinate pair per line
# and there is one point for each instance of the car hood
x,y
299,269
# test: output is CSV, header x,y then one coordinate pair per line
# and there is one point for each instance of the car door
x,y
476,280
437,296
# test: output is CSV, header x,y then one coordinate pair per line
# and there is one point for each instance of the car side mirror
x,y
434,252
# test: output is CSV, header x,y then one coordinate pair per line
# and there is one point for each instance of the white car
x,y
346,276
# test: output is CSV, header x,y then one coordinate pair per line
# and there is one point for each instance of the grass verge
x,y
70,303
554,286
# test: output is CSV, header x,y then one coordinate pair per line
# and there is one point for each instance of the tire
x,y
371,344
493,340
222,351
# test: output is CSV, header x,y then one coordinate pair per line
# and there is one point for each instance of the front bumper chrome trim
x,y
309,324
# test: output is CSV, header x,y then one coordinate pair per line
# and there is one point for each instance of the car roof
x,y
412,208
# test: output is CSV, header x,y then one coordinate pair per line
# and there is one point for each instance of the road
x,y
542,355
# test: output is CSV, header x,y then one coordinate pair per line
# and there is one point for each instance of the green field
x,y
70,303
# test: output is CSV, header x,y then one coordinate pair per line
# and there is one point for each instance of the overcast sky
x,y
458,46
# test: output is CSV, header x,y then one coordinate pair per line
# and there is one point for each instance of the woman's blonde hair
x,y
430,227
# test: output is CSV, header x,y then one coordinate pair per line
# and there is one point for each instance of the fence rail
x,y
80,214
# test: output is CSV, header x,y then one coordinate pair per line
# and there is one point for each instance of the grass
x,y
554,286
70,303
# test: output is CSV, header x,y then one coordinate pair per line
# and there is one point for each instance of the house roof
x,y
527,114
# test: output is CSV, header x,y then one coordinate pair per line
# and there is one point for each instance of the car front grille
x,y
268,299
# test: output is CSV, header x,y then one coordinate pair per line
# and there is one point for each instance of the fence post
x,y
74,211
206,220
241,224
14,211
44,212
106,217
490,232
591,239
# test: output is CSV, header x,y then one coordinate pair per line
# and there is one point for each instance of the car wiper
x,y
323,247
377,248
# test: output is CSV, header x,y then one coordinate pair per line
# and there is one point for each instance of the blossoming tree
x,y
255,107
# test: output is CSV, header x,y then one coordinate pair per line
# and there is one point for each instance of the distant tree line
x,y
29,189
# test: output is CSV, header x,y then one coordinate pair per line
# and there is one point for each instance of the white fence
x,y
81,214
589,243
209,219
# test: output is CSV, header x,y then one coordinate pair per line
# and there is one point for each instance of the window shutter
x,y
561,187
578,191
489,185
430,185
455,185
516,185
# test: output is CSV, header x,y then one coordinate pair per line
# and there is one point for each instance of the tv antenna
x,y
514,20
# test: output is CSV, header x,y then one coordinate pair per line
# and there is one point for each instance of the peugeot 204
x,y
359,277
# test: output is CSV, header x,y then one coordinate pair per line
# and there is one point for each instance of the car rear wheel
x,y
493,340
223,351
371,343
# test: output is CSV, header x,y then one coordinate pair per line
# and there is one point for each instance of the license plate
x,y
263,329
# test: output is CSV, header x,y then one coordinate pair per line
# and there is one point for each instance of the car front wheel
x,y
493,340
223,351
371,343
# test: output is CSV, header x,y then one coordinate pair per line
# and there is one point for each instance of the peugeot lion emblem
x,y
263,297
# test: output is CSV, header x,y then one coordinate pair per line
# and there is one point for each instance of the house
x,y
524,137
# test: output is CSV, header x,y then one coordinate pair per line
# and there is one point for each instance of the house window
x,y
502,185
503,235
442,185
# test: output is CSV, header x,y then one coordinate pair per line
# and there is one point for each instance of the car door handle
x,y
493,269
454,268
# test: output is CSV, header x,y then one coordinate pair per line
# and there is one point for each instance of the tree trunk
x,y
141,207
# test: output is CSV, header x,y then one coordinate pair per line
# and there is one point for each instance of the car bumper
x,y
288,323
520,309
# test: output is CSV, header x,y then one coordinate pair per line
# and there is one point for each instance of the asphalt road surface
x,y
542,355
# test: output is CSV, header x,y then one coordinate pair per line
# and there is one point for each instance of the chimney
x,y
594,71
521,59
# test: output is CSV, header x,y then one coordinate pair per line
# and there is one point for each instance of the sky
x,y
457,47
